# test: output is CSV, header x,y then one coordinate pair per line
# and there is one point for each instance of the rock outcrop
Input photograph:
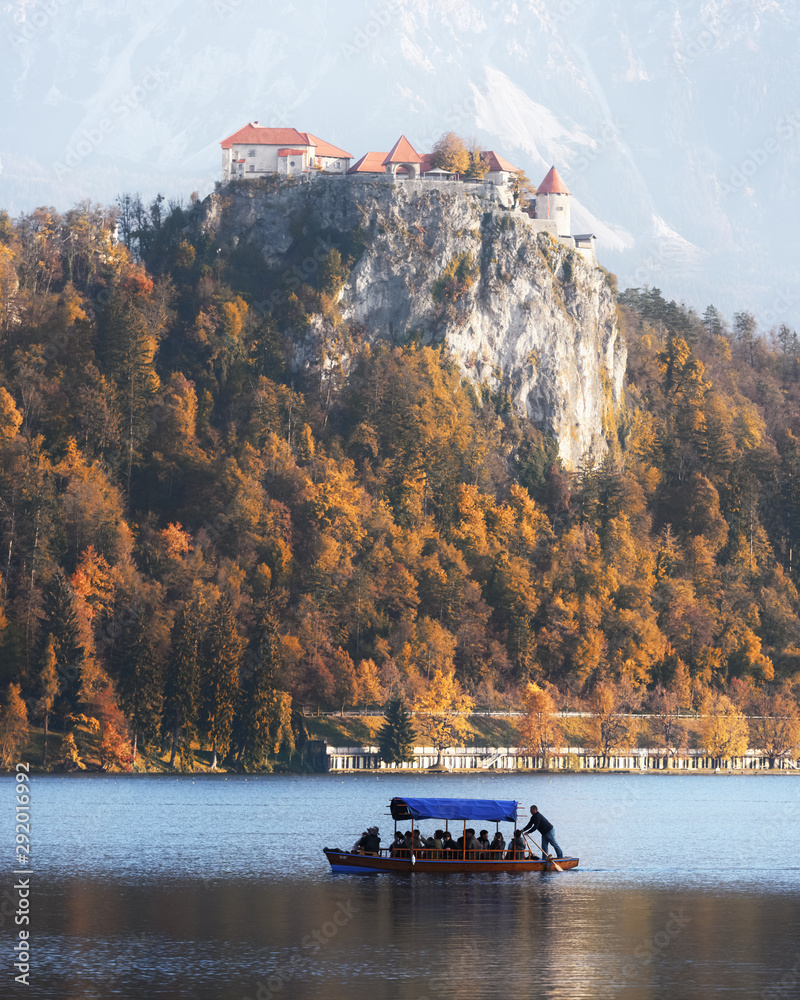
x,y
524,314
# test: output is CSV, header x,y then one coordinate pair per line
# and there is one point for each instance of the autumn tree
x,y
665,707
70,757
478,165
345,681
441,713
450,153
539,730
775,725
13,728
220,655
370,691
522,189
609,730
115,750
396,735
723,728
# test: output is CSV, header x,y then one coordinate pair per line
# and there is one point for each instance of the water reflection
x,y
354,936
218,890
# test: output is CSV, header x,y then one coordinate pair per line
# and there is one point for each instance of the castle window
x,y
251,168
252,152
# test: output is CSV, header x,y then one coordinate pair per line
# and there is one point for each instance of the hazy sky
x,y
676,125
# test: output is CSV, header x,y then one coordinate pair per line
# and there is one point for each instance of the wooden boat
x,y
447,862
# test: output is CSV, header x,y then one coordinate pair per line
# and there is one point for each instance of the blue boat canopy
x,y
494,810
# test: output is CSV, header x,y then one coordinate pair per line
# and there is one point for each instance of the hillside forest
x,y
200,543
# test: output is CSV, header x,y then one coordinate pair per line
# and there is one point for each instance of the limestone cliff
x,y
524,314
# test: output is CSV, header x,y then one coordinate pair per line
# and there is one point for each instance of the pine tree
x,y
139,682
396,736
220,655
264,720
48,685
181,693
61,623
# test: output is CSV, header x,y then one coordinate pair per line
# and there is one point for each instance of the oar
x,y
546,857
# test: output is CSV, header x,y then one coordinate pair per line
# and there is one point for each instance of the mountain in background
x,y
675,128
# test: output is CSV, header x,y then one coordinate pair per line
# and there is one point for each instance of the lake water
x,y
215,888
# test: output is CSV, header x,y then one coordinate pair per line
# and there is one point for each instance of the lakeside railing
x,y
355,758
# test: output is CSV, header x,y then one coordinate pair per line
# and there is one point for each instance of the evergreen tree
x,y
48,685
396,736
140,682
61,622
264,720
181,692
220,655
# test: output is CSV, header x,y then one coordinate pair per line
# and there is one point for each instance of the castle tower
x,y
552,201
403,154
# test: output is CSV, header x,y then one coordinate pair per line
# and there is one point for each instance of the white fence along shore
x,y
367,758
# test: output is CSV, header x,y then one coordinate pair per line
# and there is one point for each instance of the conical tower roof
x,y
402,152
553,183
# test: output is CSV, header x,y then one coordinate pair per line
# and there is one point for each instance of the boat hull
x,y
344,861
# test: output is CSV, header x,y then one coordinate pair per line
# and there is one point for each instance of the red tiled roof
x,y
402,152
553,184
255,134
291,152
495,162
327,148
370,163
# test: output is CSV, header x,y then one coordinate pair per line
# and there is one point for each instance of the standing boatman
x,y
545,829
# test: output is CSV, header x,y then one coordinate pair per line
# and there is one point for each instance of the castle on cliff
x,y
258,151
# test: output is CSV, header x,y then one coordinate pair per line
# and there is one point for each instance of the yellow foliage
x,y
13,728
723,728
176,541
441,713
539,731
232,316
10,417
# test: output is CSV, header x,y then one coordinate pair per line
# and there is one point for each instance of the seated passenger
x,y
472,843
416,841
448,844
398,847
498,843
483,840
518,847
370,842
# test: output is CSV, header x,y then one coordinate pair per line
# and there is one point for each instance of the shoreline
x,y
419,772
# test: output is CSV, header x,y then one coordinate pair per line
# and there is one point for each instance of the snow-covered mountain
x,y
675,124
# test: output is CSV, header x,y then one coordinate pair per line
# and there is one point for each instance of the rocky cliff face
x,y
523,314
